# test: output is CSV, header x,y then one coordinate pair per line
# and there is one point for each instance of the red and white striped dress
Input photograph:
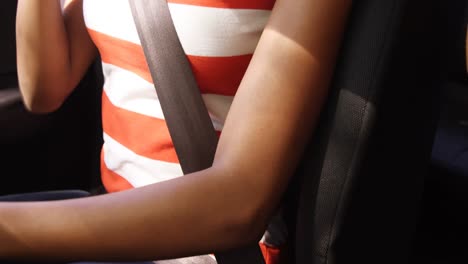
x,y
218,36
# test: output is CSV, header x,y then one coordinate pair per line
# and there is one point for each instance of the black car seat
x,y
358,192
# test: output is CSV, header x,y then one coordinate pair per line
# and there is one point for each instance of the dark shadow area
x,y
46,152
442,233
443,229
54,151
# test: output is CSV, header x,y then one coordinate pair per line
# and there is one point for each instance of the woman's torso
x,y
218,36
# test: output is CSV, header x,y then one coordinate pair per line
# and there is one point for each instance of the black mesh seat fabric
x,y
359,187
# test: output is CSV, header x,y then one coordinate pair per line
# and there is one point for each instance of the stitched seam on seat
x,y
338,208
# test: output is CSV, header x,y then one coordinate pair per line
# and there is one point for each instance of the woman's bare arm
x,y
53,51
227,205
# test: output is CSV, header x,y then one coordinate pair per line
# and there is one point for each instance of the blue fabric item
x,y
44,196
450,149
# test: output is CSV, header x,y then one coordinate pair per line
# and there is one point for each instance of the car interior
x,y
384,178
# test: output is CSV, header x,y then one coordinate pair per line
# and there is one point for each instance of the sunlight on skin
x,y
65,3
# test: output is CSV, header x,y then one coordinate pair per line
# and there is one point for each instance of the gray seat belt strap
x,y
189,124
187,118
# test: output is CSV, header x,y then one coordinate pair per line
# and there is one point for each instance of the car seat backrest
x,y
361,179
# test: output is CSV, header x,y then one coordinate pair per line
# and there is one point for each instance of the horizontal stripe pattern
x,y
219,38
203,31
137,170
142,134
145,135
111,180
220,75
128,91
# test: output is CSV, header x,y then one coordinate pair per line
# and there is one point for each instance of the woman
x,y
278,90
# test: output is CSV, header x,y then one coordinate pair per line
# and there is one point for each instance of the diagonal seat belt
x,y
187,118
